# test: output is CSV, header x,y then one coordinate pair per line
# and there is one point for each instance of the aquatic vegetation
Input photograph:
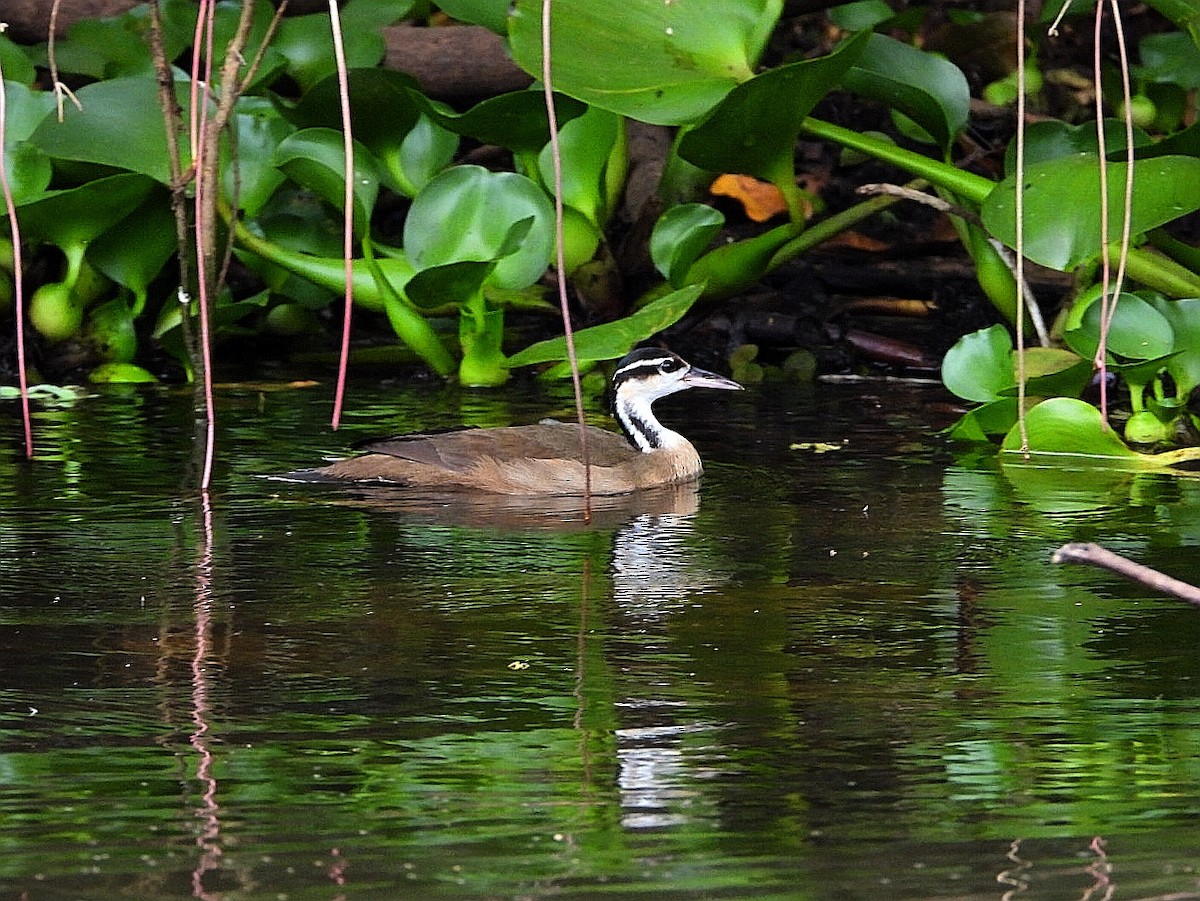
x,y
449,251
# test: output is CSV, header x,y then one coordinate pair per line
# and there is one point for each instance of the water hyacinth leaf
x,y
452,284
1053,139
753,129
1052,371
729,269
134,250
120,125
459,283
680,236
614,339
491,14
1137,332
16,64
73,217
307,44
862,15
688,55
929,89
381,109
993,418
111,333
467,214
1171,58
315,158
253,175
425,151
1164,189
1062,428
1184,365
586,144
979,366
120,374
516,120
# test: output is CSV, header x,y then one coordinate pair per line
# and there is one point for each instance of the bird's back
x,y
533,459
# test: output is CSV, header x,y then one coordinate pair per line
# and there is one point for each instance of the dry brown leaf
x,y
760,199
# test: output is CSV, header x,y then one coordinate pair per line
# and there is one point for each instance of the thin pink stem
x,y
207,13
560,258
1019,211
339,53
19,294
1106,264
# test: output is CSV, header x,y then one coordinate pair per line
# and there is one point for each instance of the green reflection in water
x,y
852,674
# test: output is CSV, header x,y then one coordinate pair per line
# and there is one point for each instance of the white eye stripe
x,y
649,367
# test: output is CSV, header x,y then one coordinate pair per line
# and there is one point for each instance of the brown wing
x,y
458,451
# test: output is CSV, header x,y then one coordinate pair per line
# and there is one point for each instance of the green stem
x,y
966,185
1160,272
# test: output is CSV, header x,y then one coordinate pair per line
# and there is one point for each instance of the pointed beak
x,y
702,378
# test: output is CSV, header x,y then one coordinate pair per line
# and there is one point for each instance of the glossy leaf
x,y
754,128
134,250
467,214
980,424
614,339
1184,317
1062,205
120,125
586,143
667,64
929,89
315,158
680,236
458,283
1063,428
1138,331
492,14
74,217
253,175
307,44
18,70
731,268
516,120
1053,139
979,365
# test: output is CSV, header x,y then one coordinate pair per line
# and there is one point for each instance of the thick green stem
x,y
966,185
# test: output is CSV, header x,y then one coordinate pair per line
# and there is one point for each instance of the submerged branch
x,y
1095,555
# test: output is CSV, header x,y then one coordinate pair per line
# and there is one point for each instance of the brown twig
x,y
1095,555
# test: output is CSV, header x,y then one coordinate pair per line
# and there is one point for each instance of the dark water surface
x,y
844,674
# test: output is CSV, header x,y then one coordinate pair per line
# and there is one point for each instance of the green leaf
x,y
614,339
729,269
586,144
1164,189
316,159
458,283
993,418
929,89
253,173
307,42
1053,139
1137,332
680,236
15,64
862,15
491,14
516,120
1184,317
1170,59
754,128
979,366
134,250
120,125
1065,429
74,217
467,214
667,64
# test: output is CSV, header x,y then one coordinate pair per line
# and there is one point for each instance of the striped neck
x,y
636,417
